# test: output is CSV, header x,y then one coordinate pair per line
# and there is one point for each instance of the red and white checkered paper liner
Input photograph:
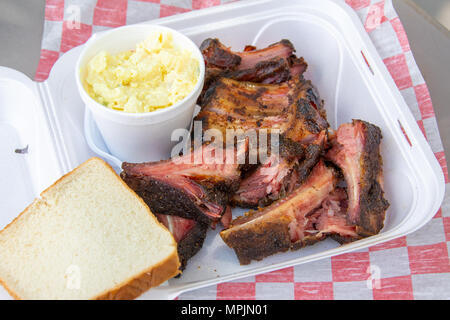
x,y
416,266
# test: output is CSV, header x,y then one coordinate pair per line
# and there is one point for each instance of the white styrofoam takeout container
x,y
138,137
48,117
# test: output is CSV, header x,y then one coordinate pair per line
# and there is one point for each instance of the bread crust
x,y
11,293
150,278
131,288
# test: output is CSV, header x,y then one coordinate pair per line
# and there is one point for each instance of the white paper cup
x,y
138,137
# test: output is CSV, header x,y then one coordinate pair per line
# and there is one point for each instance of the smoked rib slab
x,y
275,64
184,187
217,55
279,176
356,151
280,226
292,109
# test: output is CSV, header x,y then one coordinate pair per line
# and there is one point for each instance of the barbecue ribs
x,y
184,187
274,64
189,235
292,109
295,184
285,223
188,194
356,150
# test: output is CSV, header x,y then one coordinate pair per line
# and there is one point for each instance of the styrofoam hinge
x,y
54,126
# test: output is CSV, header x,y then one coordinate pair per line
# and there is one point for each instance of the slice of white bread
x,y
89,236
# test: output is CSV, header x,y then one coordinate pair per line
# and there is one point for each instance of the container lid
x,y
28,159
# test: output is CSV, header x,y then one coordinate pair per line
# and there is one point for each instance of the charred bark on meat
x,y
272,65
